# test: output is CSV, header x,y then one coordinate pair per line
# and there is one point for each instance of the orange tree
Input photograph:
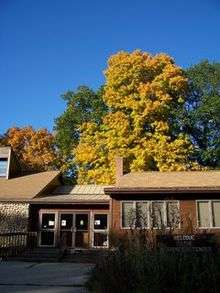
x,y
34,148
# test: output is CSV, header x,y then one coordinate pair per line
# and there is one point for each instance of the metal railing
x,y
13,244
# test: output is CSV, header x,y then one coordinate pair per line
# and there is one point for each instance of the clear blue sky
x,y
50,46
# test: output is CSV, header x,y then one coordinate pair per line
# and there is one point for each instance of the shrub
x,y
161,270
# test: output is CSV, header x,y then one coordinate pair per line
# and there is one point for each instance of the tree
x,y
141,92
201,116
83,105
34,149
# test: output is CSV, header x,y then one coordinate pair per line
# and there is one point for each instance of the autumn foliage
x,y
34,148
141,92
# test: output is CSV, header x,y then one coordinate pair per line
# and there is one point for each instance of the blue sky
x,y
50,46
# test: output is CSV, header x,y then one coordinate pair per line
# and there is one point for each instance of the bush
x,y
161,270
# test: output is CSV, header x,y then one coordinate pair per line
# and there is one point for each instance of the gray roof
x,y
76,194
90,189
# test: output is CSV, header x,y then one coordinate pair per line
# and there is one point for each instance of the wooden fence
x,y
13,244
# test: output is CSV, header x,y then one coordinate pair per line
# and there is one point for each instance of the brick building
x,y
80,216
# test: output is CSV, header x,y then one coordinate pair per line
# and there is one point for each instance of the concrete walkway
x,y
43,277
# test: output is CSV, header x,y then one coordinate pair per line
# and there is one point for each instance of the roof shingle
x,y
26,187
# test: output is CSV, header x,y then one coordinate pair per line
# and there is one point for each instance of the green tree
x,y
82,105
201,116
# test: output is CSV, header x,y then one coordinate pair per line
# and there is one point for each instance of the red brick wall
x,y
115,214
187,210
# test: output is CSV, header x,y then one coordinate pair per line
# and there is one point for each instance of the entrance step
x,y
57,255
84,255
40,255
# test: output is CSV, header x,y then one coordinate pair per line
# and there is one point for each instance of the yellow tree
x,y
34,148
141,92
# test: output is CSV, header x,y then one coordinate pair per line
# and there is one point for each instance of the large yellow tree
x,y
141,92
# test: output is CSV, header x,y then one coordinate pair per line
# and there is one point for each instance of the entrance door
x,y
81,230
74,230
66,230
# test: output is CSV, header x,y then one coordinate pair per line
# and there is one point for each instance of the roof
x,y
26,187
76,194
168,181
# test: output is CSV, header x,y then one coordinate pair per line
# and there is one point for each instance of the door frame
x,y
54,230
73,230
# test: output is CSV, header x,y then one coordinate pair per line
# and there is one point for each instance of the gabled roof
x,y
79,194
26,187
183,181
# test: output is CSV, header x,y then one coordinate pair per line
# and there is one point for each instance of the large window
x,y
208,213
146,214
3,167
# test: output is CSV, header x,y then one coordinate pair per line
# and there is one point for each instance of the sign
x,y
97,222
51,223
63,223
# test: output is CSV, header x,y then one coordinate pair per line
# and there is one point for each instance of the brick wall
x,y
187,210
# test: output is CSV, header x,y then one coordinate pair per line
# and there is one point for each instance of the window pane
x,y
216,213
47,238
48,221
82,239
141,214
203,214
82,221
100,221
100,239
158,214
3,167
128,216
173,214
66,221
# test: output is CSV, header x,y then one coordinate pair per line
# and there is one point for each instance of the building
x,y
80,216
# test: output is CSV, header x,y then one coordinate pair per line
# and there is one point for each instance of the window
x,y
48,221
203,214
100,228
146,214
173,214
158,214
142,214
3,167
208,214
100,221
216,213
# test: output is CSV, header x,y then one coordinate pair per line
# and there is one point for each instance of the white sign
x,y
63,223
51,223
97,222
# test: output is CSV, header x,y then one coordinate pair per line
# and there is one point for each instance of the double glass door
x,y
68,229
74,230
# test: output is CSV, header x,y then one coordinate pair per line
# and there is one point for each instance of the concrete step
x,y
55,254
83,256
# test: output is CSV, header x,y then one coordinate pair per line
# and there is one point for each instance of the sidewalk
x,y
43,277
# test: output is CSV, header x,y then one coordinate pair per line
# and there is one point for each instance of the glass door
x,y
81,230
66,229
47,229
73,230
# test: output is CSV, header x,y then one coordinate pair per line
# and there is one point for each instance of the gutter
x,y
168,190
